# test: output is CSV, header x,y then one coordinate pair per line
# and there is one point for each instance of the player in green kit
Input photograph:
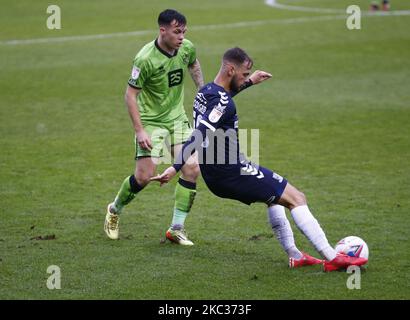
x,y
154,98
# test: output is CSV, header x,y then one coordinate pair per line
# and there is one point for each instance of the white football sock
x,y
312,230
281,228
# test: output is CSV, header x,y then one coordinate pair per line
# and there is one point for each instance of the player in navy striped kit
x,y
229,175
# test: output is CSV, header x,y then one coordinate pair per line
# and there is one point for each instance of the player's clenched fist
x,y
258,76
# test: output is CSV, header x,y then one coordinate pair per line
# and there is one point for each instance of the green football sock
x,y
128,190
185,192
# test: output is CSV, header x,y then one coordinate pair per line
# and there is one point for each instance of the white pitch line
x,y
275,4
77,38
193,28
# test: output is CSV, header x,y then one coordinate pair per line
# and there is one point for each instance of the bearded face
x,y
235,85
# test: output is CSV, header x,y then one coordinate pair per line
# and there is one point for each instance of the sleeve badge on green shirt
x,y
135,73
185,58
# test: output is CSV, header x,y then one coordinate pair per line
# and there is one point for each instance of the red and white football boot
x,y
342,261
306,260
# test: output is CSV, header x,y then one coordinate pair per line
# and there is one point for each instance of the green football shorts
x,y
164,135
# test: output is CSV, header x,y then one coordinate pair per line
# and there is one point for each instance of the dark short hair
x,y
237,56
166,17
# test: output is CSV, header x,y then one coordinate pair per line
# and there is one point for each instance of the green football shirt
x,y
161,78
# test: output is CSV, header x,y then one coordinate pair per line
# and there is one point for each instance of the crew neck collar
x,y
163,51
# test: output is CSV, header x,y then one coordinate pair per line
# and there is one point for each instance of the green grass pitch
x,y
334,120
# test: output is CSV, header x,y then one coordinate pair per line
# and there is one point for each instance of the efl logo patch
x,y
215,115
175,78
185,58
135,73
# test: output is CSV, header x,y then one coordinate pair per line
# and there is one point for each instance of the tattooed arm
x,y
196,74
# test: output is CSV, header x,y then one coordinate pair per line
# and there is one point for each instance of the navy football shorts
x,y
248,184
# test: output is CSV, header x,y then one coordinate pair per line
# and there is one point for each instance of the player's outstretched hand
x,y
258,76
165,177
